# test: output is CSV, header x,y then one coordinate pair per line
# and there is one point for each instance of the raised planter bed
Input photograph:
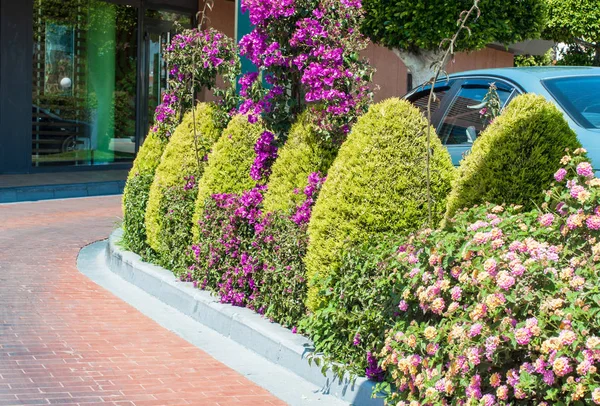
x,y
270,340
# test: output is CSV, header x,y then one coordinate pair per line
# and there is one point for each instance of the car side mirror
x,y
471,134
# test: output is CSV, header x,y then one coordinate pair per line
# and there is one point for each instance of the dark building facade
x,y
79,80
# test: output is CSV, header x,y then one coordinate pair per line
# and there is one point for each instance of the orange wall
x,y
222,18
391,74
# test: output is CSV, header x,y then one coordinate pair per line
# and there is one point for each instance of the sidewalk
x,y
64,340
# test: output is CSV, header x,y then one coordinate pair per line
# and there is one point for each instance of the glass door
x,y
160,26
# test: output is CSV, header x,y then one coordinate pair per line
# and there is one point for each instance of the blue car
x,y
456,111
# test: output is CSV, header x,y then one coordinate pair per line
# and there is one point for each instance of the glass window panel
x,y
84,83
464,115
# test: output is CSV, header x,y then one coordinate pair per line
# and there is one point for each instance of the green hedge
x,y
302,154
137,190
229,164
514,159
376,185
184,156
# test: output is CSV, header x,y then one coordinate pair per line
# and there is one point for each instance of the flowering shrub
x,y
504,308
307,51
229,164
225,262
194,60
374,187
182,163
513,160
255,260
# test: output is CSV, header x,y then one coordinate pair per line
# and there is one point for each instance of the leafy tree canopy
x,y
414,25
577,23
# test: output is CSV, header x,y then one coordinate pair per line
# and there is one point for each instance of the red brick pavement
x,y
64,340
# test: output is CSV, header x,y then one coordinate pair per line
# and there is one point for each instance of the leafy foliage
x,y
186,76
229,164
412,25
375,186
534,60
514,159
303,153
575,22
281,245
362,305
182,163
136,193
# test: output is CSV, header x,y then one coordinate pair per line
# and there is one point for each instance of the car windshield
x,y
579,96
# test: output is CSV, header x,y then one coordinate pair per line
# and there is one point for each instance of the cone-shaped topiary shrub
x,y
137,189
303,153
514,159
229,164
173,192
375,185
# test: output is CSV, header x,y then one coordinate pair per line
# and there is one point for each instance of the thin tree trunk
x,y
419,64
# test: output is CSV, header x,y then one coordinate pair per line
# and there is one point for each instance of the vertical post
x,y
243,27
16,76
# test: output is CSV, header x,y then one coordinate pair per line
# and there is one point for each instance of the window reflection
x,y
84,82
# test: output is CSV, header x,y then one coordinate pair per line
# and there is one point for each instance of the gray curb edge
x,y
269,340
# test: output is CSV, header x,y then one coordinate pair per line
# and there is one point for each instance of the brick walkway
x,y
64,340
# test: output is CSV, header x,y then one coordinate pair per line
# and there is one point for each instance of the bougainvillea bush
x,y
254,259
308,52
503,308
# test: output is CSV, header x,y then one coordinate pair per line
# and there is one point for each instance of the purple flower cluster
x,y
308,54
190,183
223,258
194,60
373,371
266,153
303,211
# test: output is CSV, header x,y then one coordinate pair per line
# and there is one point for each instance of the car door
x,y
462,122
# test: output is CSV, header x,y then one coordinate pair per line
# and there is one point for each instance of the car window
x,y
421,98
579,96
463,121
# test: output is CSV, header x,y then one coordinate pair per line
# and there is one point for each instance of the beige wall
x,y
391,75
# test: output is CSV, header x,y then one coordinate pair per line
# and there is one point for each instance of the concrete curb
x,y
269,340
48,192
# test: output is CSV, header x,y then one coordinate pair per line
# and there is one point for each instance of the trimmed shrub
x,y
137,190
169,230
514,159
303,153
375,186
229,164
